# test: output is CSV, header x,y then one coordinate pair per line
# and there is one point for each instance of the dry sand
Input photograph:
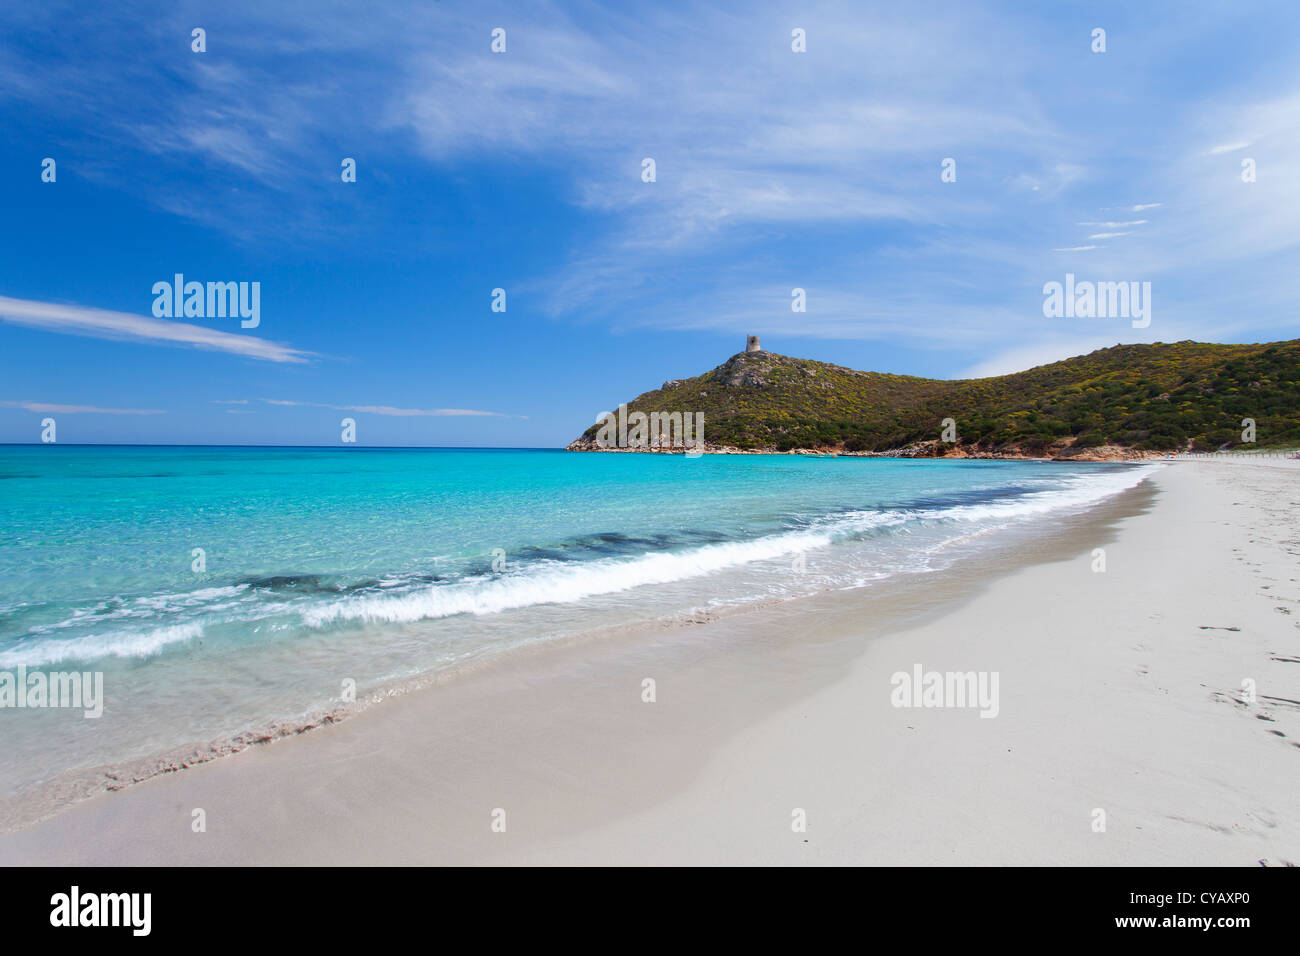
x,y
1119,691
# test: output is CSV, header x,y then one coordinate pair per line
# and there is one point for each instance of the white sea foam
x,y
148,607
94,646
559,583
1078,491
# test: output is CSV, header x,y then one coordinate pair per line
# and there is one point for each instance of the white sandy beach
x,y
1119,691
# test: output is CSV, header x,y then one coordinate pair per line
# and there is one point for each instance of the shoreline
x,y
590,773
925,451
930,451
48,799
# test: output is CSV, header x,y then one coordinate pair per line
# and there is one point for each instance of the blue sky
x,y
522,170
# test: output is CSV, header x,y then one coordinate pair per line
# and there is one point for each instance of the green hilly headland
x,y
1131,399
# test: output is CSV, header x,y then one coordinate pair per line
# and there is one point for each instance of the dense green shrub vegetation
x,y
1158,397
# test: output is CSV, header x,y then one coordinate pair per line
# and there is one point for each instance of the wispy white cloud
x,y
407,412
741,148
1221,254
103,324
388,410
56,409
835,152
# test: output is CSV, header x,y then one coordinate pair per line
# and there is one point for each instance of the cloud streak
x,y
55,409
389,410
122,326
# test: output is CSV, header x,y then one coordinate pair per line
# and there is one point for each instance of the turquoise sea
x,y
383,566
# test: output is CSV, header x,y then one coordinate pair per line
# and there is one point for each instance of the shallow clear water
x,y
380,566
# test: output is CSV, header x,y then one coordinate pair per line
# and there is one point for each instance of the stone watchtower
x,y
751,344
